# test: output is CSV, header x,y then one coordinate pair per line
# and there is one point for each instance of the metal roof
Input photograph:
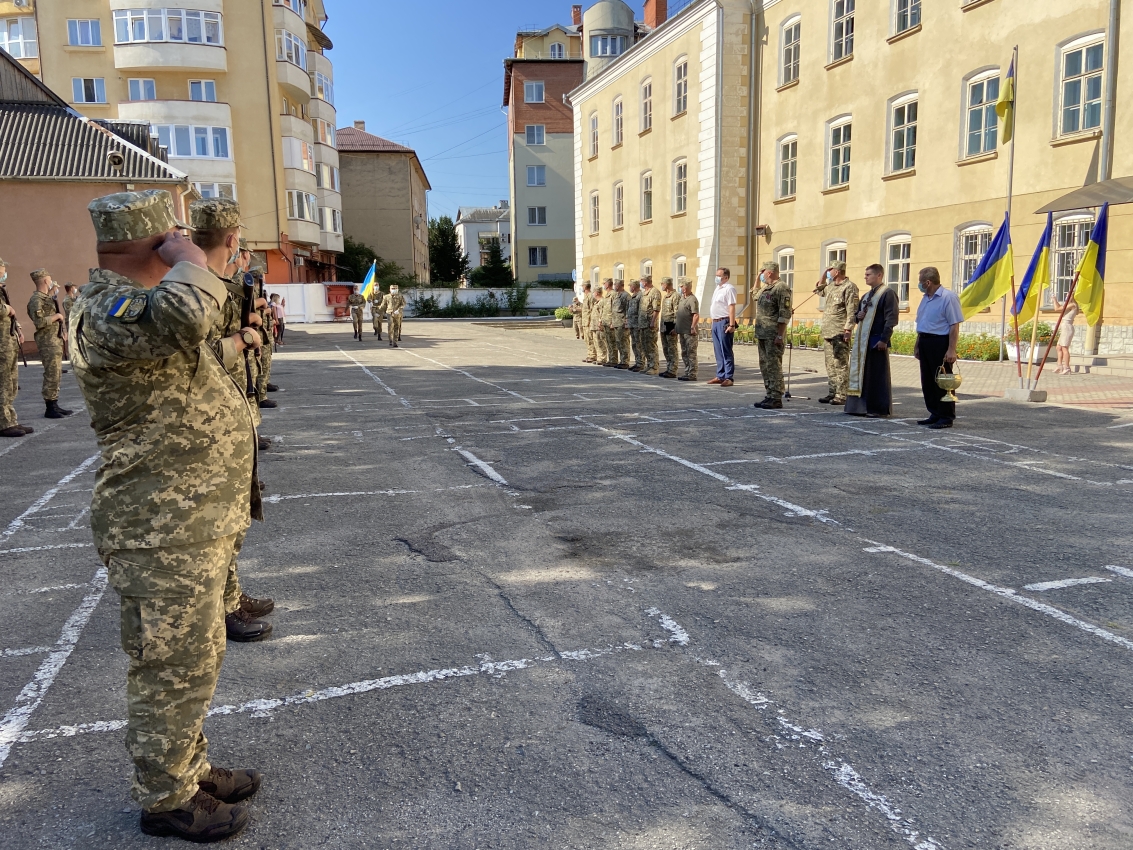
x,y
1116,191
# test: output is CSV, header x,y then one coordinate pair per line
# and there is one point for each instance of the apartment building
x,y
240,93
477,228
868,142
547,64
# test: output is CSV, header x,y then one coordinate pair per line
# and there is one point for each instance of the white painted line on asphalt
x,y
1121,571
18,523
1122,425
1066,582
379,381
39,429
469,375
44,548
78,518
27,650
49,589
853,452
849,779
16,720
678,635
276,498
483,466
1005,593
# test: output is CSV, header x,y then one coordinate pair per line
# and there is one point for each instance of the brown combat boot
x,y
26,428
204,819
256,607
14,431
231,786
242,627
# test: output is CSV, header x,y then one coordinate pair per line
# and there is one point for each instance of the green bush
x,y
1045,332
517,299
424,306
561,313
428,307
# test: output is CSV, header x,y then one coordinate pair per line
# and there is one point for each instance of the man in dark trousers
x,y
938,329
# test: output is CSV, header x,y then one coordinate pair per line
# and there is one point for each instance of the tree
x,y
358,257
447,263
495,272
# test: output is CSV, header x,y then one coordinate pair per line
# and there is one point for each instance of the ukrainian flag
x,y
1091,271
992,278
371,279
1036,278
1005,106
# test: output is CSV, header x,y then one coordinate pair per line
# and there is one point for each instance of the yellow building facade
x,y
240,93
875,141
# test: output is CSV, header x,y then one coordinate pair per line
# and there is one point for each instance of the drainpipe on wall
x,y
1105,172
751,201
710,274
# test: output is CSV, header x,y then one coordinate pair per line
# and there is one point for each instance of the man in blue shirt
x,y
938,329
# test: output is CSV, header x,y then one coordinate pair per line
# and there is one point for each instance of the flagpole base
x,y
1017,394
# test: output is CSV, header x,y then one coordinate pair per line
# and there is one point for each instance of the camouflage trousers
x,y
356,318
51,353
688,354
669,346
172,617
232,588
838,366
394,329
577,327
9,382
598,338
771,367
264,377
617,345
649,350
635,346
378,317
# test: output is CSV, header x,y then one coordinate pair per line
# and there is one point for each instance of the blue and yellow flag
x,y
1036,278
1005,106
1091,271
992,278
371,279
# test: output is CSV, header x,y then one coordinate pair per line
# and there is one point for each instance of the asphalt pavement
x,y
526,602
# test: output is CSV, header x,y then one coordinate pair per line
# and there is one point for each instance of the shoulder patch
x,y
129,308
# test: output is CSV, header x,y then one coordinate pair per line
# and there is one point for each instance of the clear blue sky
x,y
429,74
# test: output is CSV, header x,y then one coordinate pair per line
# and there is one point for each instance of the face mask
x,y
719,280
830,277
922,288
3,277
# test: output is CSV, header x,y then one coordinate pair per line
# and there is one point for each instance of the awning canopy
x,y
1117,191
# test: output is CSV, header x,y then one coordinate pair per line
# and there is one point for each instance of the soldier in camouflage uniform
x,y
70,293
175,488
377,297
267,331
597,332
216,223
393,306
772,313
633,326
11,339
647,324
617,339
837,329
357,306
670,300
585,316
50,335
688,325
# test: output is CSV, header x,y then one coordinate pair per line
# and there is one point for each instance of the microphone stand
x,y
791,336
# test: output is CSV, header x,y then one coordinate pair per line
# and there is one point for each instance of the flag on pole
x,y
1005,106
1091,271
371,279
992,278
1035,280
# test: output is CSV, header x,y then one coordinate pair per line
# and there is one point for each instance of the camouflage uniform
x,y
357,306
838,316
576,317
377,297
393,307
617,340
174,489
68,303
686,308
588,335
633,325
267,334
669,303
41,308
9,365
597,332
772,308
647,322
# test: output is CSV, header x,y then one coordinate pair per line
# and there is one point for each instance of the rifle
x,y
14,327
59,330
247,307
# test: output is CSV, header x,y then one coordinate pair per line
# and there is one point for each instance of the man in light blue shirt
x,y
938,329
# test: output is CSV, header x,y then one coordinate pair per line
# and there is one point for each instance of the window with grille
x,y
898,267
680,186
972,244
84,33
680,87
536,134
904,136
982,123
537,255
619,205
840,136
907,15
788,166
792,34
646,105
1071,236
18,38
843,29
1082,88
619,125
647,196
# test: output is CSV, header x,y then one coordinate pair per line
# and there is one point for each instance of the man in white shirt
x,y
723,313
938,330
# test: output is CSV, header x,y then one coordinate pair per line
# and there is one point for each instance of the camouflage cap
x,y
684,281
243,242
215,214
40,274
2,262
665,280
838,266
128,216
770,267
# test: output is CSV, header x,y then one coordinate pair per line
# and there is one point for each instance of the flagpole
x,y
1010,192
1058,324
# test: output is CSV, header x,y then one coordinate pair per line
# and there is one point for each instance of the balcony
x,y
168,56
294,78
297,178
289,125
304,232
326,154
283,18
202,170
329,198
330,241
321,109
177,112
318,62
204,5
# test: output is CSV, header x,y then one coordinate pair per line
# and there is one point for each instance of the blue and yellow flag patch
x,y
128,308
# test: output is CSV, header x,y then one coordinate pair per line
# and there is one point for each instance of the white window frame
x,y
899,268
331,223
536,175
604,46
299,154
84,32
680,86
680,268
324,132
558,50
842,29
845,151
1081,44
790,46
24,45
898,135
534,91
80,89
646,269
536,132
595,278
647,198
593,134
290,48
787,167
299,7
1064,257
833,251
536,216
680,186
206,86
302,206
646,91
216,190
906,15
985,109
535,253
595,213
972,241
619,273
619,205
324,87
140,86
619,122
149,26
785,257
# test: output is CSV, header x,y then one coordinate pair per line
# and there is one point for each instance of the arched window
x,y
646,269
832,252
680,86
1068,243
680,186
595,221
838,136
619,205
785,257
619,123
1080,72
903,132
647,104
788,165
680,268
595,277
981,125
898,265
619,273
790,34
558,51
972,241
647,196
593,134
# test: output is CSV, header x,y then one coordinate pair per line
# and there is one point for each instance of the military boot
x,y
27,429
256,607
54,411
272,388
231,786
772,404
204,819
269,403
263,442
826,399
14,431
242,627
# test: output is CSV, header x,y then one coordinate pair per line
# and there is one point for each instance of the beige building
x,y
239,92
384,204
868,143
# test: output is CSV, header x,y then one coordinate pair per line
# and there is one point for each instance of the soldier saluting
x,y
174,490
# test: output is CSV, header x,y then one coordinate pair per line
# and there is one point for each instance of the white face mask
x,y
3,277
719,280
830,277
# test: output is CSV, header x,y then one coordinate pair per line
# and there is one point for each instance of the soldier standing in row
x,y
576,317
377,297
586,315
11,338
393,305
50,338
70,293
633,319
267,331
174,490
597,331
357,305
772,313
605,307
688,324
650,310
617,341
837,329
670,300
